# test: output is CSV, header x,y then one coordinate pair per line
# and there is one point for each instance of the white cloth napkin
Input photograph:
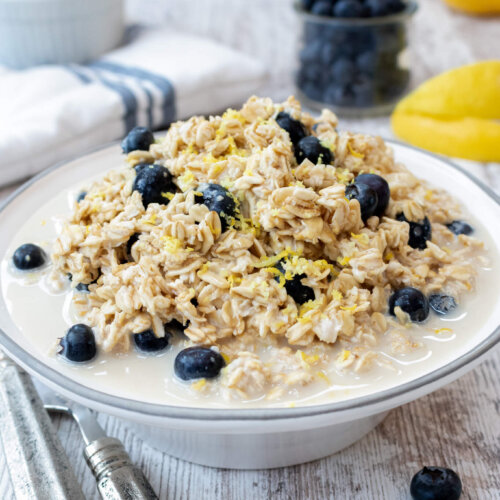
x,y
53,113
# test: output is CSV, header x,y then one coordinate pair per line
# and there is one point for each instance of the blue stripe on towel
x,y
162,83
127,96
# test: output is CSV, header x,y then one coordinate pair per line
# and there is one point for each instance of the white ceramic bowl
x,y
251,438
36,32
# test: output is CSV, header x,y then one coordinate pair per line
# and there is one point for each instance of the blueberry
x,y
396,6
366,62
198,362
420,232
380,186
78,344
312,149
366,196
218,199
309,54
83,287
294,287
322,8
29,256
174,326
363,91
411,301
442,304
139,138
343,71
435,483
348,8
133,239
339,95
378,7
81,196
153,182
459,227
147,341
295,128
329,52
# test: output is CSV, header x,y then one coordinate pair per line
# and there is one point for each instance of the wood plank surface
x,y
457,426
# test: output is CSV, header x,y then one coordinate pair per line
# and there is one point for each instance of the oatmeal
x,y
262,255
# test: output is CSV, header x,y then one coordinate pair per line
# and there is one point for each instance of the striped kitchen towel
x,y
53,113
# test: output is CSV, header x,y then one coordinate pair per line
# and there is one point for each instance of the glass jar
x,y
357,67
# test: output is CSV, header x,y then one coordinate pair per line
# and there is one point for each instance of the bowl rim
x,y
156,410
410,9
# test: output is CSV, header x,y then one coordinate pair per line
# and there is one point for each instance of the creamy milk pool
x,y
43,316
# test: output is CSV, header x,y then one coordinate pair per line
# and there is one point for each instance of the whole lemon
x,y
456,113
482,7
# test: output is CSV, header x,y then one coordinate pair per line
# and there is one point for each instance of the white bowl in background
x,y
255,437
34,32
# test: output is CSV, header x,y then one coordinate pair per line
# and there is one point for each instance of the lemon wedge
x,y
456,113
476,6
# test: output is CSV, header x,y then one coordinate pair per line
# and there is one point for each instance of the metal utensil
x,y
37,463
117,477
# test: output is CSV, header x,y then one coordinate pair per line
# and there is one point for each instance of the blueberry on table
x,y
295,128
78,344
312,149
28,257
153,182
366,196
139,138
459,227
420,232
294,287
198,362
147,341
348,8
380,186
441,303
218,199
435,483
411,301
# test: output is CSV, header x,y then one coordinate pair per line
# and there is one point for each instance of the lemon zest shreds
x,y
232,114
388,256
337,295
169,196
349,308
203,269
343,261
226,357
199,384
343,176
429,195
442,330
171,245
354,152
151,220
270,261
233,279
322,375
344,355
186,180
309,360
362,238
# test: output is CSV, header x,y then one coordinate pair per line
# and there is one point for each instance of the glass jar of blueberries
x,y
353,55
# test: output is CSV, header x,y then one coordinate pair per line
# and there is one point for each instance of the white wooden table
x,y
458,426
